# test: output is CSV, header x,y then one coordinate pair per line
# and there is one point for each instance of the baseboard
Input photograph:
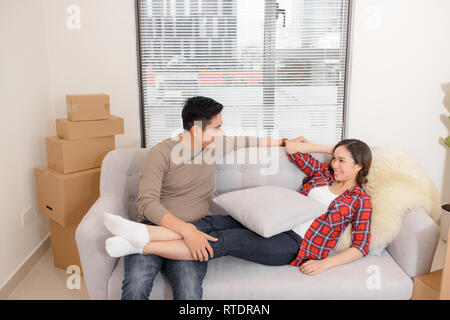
x,y
22,271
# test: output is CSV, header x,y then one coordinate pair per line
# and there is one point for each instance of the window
x,y
277,66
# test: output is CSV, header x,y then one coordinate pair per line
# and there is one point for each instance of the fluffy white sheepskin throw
x,y
395,184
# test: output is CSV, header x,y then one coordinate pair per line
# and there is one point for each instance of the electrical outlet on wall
x,y
27,217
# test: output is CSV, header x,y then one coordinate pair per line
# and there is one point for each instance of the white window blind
x,y
276,66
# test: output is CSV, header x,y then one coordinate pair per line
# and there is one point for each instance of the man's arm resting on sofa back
x,y
233,143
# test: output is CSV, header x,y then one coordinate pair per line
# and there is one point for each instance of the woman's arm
x,y
360,242
298,152
313,267
346,256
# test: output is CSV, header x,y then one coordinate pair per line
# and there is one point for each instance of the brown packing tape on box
x,y
85,107
75,130
66,198
64,246
67,156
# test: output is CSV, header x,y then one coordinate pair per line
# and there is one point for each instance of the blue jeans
x,y
186,277
238,241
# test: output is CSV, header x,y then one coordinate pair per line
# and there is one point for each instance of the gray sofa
x,y
409,255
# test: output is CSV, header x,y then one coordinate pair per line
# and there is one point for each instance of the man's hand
x,y
313,267
300,139
295,145
197,242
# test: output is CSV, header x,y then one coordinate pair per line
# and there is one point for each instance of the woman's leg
x,y
138,234
206,224
161,245
245,244
158,233
209,223
174,250
238,241
242,243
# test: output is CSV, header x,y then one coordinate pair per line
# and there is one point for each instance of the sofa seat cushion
x,y
237,279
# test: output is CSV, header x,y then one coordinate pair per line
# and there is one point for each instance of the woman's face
x,y
344,166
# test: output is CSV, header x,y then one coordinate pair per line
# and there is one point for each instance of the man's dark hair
x,y
199,109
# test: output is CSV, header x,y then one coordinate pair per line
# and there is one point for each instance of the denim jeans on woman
x,y
186,277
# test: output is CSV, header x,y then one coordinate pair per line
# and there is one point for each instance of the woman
x,y
337,184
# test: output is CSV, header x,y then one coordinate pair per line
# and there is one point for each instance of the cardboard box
x,y
434,285
445,221
84,107
75,130
64,246
66,198
427,286
67,156
445,283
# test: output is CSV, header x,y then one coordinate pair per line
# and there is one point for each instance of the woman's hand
x,y
302,145
295,145
313,267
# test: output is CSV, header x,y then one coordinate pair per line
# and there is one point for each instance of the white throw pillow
x,y
269,210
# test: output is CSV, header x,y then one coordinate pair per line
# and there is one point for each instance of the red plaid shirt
x,y
353,206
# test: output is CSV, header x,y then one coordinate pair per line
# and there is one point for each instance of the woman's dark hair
x,y
199,109
361,154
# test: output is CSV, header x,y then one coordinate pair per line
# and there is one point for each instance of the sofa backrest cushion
x,y
252,167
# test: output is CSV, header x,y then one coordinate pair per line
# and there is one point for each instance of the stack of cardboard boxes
x,y
434,285
70,184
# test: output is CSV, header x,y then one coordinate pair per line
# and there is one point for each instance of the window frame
x,y
346,82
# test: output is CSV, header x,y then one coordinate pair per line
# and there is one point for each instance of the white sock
x,y
119,247
134,232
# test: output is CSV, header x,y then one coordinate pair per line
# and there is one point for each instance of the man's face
x,y
212,130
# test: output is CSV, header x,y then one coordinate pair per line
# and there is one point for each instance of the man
x,y
173,193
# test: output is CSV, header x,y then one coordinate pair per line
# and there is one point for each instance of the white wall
x,y
26,116
99,57
41,61
400,60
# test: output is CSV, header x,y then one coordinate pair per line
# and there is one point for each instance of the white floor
x,y
46,282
